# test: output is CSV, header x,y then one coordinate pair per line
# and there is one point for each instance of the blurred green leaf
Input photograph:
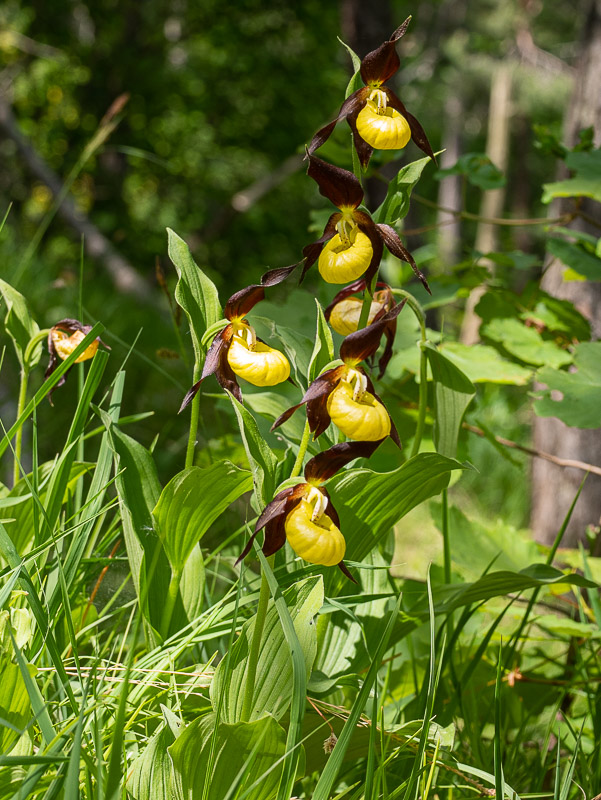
x,y
478,169
273,682
19,324
195,292
191,502
246,750
585,183
580,402
453,393
484,364
525,342
577,258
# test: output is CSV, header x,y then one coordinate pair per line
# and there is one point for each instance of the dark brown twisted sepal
x,y
397,248
216,363
273,518
324,465
246,299
381,64
418,134
364,343
339,185
349,111
316,398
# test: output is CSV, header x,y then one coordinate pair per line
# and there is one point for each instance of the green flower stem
x,y
194,415
172,593
423,368
298,464
365,309
19,437
255,645
446,542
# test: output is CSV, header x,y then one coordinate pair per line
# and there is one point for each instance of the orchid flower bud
x,y
314,538
255,361
357,413
382,126
344,317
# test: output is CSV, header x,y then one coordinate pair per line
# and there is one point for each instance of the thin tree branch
x,y
561,462
98,247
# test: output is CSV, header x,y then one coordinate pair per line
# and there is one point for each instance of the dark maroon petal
x,y
318,416
275,534
278,275
330,510
320,387
352,105
389,333
216,363
243,301
396,247
371,230
364,343
339,185
312,251
381,64
322,466
220,342
226,376
279,504
344,570
246,550
417,132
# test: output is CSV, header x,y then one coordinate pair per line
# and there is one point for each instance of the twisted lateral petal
x,y
364,419
339,185
340,262
345,315
319,542
383,129
260,364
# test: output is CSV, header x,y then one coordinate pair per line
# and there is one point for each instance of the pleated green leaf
x,y
246,755
273,683
261,458
192,501
453,392
151,777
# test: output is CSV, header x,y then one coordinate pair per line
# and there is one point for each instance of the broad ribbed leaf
x,y
245,754
195,292
151,777
261,458
273,684
15,709
453,392
573,397
371,503
192,501
323,352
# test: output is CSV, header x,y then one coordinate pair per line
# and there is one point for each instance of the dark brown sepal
x,y
364,343
216,363
273,519
320,388
322,466
351,106
246,299
372,231
344,569
312,251
279,504
389,334
397,248
339,185
418,134
353,288
381,64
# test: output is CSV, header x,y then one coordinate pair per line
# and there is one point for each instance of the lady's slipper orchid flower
x,y
304,514
375,115
236,350
63,338
352,243
344,313
345,395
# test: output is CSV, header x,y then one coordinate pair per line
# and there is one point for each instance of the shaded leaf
x,y
524,342
577,257
579,401
261,458
453,393
323,352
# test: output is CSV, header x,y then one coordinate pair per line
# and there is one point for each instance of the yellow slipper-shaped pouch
x,y
343,263
346,314
260,364
318,542
383,128
364,420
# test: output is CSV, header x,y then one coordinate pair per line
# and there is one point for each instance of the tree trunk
x,y
497,149
553,488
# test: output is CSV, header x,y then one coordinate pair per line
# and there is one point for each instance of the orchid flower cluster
x,y
348,253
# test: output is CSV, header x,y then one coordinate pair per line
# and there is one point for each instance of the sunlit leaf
x,y
323,352
396,202
453,393
573,397
261,458
19,324
524,342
